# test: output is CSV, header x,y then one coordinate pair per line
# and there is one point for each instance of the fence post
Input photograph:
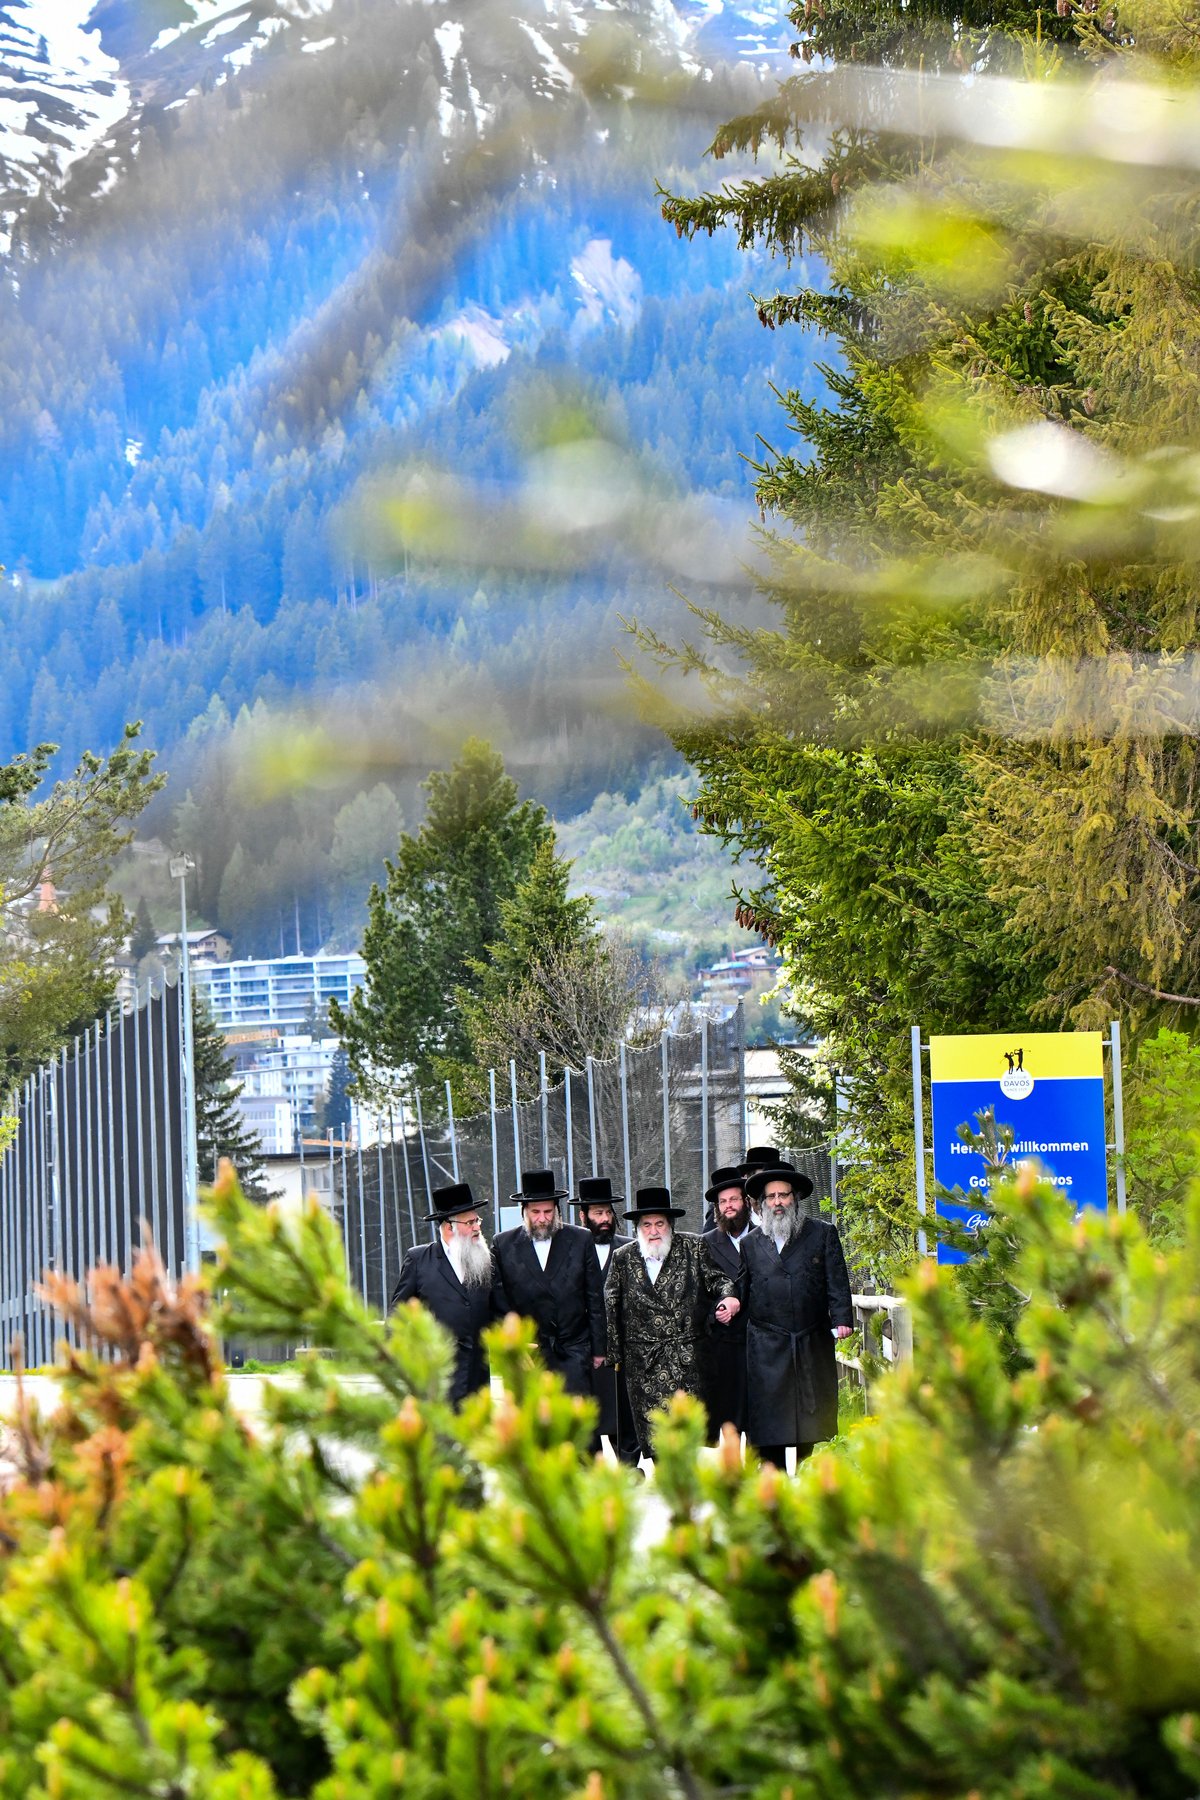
x,y
141,1133
383,1285
6,1255
62,1125
666,1109
453,1136
114,1234
625,1115
169,1182
37,1200
362,1222
27,1258
95,1248
495,1152
408,1193
346,1209
591,1087
126,1190
741,1056
544,1099
396,1192
424,1149
516,1122
703,1102
570,1132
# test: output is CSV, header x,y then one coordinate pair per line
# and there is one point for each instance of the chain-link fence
x,y
663,1114
100,1148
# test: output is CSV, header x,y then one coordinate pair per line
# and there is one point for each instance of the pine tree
x,y
432,924
221,1130
957,759
337,1109
552,986
144,941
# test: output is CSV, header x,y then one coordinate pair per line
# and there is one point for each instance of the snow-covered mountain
x,y
79,81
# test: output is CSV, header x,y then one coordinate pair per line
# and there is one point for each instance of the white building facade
x,y
279,991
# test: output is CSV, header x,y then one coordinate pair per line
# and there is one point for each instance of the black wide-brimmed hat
x,y
761,1156
724,1178
783,1171
649,1200
538,1184
449,1202
596,1190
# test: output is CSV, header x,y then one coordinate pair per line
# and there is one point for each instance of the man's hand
x,y
597,1362
728,1309
843,1331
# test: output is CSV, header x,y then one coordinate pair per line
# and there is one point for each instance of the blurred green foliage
x,y
989,1588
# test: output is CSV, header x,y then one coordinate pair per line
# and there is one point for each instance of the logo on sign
x,y
1016,1083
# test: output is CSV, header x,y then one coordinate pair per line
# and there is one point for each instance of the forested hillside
x,y
295,282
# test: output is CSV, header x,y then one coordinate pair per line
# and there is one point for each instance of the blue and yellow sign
x,y
1047,1087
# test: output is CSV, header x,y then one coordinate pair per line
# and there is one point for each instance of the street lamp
x,y
181,867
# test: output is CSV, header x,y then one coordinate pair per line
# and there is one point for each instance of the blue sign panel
x,y
1047,1087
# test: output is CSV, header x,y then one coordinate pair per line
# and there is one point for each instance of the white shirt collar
x,y
541,1249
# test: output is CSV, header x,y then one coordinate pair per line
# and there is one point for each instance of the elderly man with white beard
x,y
663,1292
456,1279
796,1290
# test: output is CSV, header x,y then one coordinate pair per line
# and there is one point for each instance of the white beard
x,y
475,1261
655,1253
781,1228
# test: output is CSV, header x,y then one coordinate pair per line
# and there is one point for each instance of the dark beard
x,y
542,1234
604,1234
734,1227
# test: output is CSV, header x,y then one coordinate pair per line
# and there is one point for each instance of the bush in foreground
x,y
991,1589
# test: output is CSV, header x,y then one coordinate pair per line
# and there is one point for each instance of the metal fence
x,y
99,1156
96,1164
667,1114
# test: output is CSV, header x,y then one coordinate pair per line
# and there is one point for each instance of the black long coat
x,y
427,1275
659,1331
792,1302
727,1393
566,1300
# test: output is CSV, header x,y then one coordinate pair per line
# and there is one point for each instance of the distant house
x,y
204,947
737,972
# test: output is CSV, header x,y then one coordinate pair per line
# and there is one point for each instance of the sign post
x,y
1047,1088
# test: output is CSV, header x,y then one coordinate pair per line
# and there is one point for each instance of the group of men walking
x,y
743,1315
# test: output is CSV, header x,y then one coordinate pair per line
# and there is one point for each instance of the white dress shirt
x,y
542,1249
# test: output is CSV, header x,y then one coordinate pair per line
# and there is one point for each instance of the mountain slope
x,y
323,247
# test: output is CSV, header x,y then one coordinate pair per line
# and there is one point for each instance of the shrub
x,y
989,1589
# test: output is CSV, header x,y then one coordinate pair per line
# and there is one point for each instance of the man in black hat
x,y
727,1198
550,1273
456,1278
663,1292
796,1290
597,1212
758,1156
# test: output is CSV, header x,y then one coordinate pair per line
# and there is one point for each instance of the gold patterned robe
x,y
660,1332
